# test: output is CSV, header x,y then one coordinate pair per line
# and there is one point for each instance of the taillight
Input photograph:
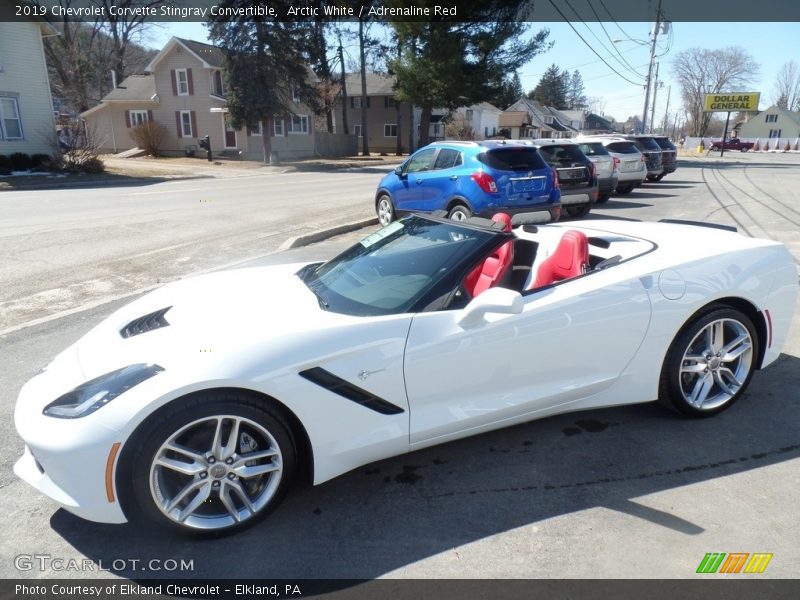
x,y
594,170
616,162
644,158
485,182
556,182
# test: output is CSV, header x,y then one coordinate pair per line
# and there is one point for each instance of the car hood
x,y
207,317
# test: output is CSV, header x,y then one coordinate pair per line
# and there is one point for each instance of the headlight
x,y
89,396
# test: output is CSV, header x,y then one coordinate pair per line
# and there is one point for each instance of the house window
x,y
390,130
10,121
182,80
138,117
356,101
485,132
358,130
295,93
277,127
772,118
390,102
468,114
437,129
548,120
186,124
219,83
298,124
255,129
774,133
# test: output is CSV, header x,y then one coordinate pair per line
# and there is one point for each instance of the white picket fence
x,y
763,144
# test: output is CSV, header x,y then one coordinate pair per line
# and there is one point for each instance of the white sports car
x,y
194,406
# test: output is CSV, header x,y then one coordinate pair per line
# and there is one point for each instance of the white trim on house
x,y
389,130
302,124
358,130
4,117
138,117
254,132
277,127
180,86
166,50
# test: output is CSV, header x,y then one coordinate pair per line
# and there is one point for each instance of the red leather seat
x,y
570,259
491,271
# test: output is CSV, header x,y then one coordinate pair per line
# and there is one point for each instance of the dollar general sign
x,y
731,102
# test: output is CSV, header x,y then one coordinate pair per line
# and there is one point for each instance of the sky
x,y
770,44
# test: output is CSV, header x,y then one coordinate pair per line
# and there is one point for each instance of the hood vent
x,y
155,320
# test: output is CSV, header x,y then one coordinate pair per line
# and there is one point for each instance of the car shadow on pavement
x,y
615,203
396,512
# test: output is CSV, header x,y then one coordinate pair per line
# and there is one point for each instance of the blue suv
x,y
470,178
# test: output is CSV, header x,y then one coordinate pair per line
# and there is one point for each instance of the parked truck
x,y
732,144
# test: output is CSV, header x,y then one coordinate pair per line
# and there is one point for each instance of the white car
x,y
196,405
632,167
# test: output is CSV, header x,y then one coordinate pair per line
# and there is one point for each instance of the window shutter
x,y
367,101
386,102
249,131
352,102
128,119
190,82
194,122
174,82
309,121
149,115
178,123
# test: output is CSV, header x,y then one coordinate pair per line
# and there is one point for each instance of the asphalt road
x,y
625,492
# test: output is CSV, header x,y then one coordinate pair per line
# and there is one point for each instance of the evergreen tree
x,y
552,88
576,93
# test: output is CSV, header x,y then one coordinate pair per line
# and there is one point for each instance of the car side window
x,y
447,159
421,161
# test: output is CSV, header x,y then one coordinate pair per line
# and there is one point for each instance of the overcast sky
x,y
770,44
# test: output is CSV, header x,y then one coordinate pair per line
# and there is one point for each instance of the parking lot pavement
x,y
633,491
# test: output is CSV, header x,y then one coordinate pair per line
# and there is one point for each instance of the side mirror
x,y
494,300
398,170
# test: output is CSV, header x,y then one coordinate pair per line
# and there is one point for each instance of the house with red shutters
x,y
184,90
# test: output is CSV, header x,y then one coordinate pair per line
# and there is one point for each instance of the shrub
x,y
5,162
92,165
21,161
149,136
40,160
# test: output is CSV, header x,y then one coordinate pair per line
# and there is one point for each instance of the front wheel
x,y
603,198
578,212
385,210
625,189
710,363
459,213
214,464
660,177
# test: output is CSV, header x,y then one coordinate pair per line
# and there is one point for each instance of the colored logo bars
x,y
736,562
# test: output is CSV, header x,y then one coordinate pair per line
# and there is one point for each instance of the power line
x,y
600,42
613,45
625,33
558,10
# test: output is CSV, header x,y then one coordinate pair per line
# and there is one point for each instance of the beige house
x,y
386,118
516,124
184,91
26,106
772,123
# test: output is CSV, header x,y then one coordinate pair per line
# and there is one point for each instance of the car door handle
x,y
453,177
419,180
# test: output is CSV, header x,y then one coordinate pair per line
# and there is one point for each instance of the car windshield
x,y
516,158
593,149
649,144
389,271
566,154
623,147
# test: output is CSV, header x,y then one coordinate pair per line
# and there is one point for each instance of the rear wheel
x,y
214,464
385,210
459,213
603,198
651,178
661,176
710,363
577,212
625,189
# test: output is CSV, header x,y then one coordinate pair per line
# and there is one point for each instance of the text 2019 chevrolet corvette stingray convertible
x,y
194,406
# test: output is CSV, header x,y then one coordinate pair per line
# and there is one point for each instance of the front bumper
x,y
66,459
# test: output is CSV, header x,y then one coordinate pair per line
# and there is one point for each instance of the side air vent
x,y
155,320
344,388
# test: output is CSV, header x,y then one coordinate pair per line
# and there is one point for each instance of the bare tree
x,y
457,127
786,91
700,71
596,104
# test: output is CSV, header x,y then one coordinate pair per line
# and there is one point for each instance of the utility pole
x,y
666,112
344,88
650,68
655,93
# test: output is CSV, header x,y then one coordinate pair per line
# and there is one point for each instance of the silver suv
x,y
632,166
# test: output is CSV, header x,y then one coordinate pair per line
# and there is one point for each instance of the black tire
x,y
744,149
261,429
681,375
459,213
384,207
625,189
578,212
651,178
660,177
603,198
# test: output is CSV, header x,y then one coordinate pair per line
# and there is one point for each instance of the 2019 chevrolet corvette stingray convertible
x,y
194,406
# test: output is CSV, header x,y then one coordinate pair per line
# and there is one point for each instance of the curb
x,y
324,234
134,181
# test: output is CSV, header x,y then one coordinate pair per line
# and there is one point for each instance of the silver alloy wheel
x,y
458,215
216,472
385,210
716,364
